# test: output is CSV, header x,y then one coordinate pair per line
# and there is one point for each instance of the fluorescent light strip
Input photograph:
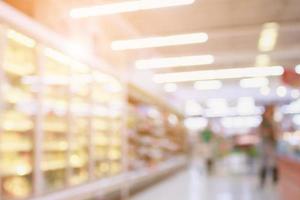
x,y
162,41
208,85
20,38
297,69
171,62
231,73
268,37
254,82
127,6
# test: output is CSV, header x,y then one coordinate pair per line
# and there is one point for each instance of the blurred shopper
x,y
268,146
207,139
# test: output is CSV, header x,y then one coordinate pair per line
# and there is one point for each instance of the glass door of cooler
x,y
18,116
56,78
80,120
107,103
115,103
106,132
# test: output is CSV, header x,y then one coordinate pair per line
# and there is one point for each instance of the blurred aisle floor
x,y
192,184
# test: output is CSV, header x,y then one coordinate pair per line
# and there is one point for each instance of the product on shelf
x,y
56,75
153,137
107,100
80,107
18,116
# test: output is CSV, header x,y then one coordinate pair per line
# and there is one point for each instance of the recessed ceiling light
x,y
254,82
161,41
126,6
170,87
171,62
268,37
217,103
192,108
229,73
208,85
281,91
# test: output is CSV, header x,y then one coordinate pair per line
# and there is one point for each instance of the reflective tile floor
x,y
193,184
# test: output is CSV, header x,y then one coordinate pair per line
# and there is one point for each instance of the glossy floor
x,y
194,184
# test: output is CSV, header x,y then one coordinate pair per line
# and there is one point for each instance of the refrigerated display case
x,y
56,99
80,118
107,107
17,115
62,120
75,109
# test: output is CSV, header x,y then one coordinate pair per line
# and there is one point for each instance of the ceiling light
x,y
229,73
268,37
127,6
241,122
254,82
195,123
174,62
265,91
162,41
192,108
232,111
295,93
245,105
292,108
281,91
297,69
262,60
217,103
170,87
20,38
208,85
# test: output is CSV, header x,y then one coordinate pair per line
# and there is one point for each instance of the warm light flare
x,y
127,6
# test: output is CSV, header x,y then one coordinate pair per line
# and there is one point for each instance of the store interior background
x,y
164,109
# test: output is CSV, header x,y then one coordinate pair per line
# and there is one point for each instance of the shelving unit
x,y
78,110
62,119
17,115
155,134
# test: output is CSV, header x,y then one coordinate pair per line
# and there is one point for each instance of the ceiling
x,y
233,27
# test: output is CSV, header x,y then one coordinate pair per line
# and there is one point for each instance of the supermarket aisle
x,y
193,185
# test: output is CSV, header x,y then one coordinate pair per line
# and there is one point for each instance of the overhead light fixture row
x,y
126,6
160,41
230,73
172,62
